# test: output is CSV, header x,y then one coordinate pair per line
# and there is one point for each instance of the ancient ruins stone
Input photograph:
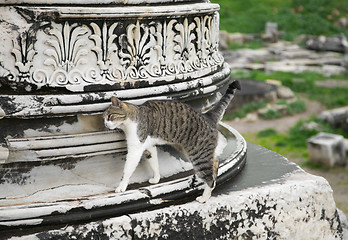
x,y
271,32
251,117
271,199
237,38
335,117
332,83
223,40
342,22
280,108
328,149
285,93
283,56
274,82
344,223
271,28
337,43
310,126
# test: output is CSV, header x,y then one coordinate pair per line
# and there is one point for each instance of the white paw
x,y
201,199
121,188
154,180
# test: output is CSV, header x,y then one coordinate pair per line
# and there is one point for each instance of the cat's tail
x,y
216,113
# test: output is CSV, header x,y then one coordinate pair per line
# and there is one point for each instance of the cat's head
x,y
116,113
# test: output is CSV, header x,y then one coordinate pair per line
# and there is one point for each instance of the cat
x,y
158,122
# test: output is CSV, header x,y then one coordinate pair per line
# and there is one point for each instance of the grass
x,y
293,144
310,164
297,106
291,108
295,17
305,83
245,109
271,114
253,44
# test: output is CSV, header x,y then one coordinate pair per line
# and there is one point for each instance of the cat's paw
x,y
201,199
121,188
154,180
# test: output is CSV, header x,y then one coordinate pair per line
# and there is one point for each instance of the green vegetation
x,y
271,114
313,165
254,44
297,106
305,83
294,143
245,109
291,108
295,17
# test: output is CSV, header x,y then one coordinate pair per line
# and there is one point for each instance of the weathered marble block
x,y
270,199
327,148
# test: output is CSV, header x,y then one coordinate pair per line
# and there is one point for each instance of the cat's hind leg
x,y
207,171
206,194
153,162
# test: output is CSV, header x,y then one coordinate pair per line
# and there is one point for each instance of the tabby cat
x,y
170,122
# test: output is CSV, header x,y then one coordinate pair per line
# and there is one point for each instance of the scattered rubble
x,y
271,32
251,117
342,22
253,91
337,43
285,93
327,148
285,56
311,126
331,83
335,117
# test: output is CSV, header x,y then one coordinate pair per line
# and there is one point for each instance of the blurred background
x,y
291,57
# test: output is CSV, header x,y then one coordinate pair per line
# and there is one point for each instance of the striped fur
x,y
169,122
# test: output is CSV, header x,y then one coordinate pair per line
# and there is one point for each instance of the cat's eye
x,y
112,117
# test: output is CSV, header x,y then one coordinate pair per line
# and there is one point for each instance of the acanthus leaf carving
x,y
108,52
24,53
67,46
184,48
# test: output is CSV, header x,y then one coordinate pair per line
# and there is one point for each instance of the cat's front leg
x,y
153,162
133,157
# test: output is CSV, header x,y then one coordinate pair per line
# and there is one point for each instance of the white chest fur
x,y
130,129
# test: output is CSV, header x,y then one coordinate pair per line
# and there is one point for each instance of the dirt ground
x,y
337,177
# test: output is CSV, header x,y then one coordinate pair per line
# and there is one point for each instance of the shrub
x,y
296,107
266,133
271,114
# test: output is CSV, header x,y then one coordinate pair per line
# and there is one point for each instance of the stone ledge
x,y
270,199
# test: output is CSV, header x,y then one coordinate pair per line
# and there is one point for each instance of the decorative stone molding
x,y
122,52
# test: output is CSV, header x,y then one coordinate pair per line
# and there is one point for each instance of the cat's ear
x,y
116,102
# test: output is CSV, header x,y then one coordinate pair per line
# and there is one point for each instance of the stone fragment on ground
x,y
328,149
274,82
332,83
336,117
337,43
251,117
285,93
288,57
311,126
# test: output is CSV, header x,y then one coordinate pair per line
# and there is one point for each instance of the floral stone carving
x,y
119,53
